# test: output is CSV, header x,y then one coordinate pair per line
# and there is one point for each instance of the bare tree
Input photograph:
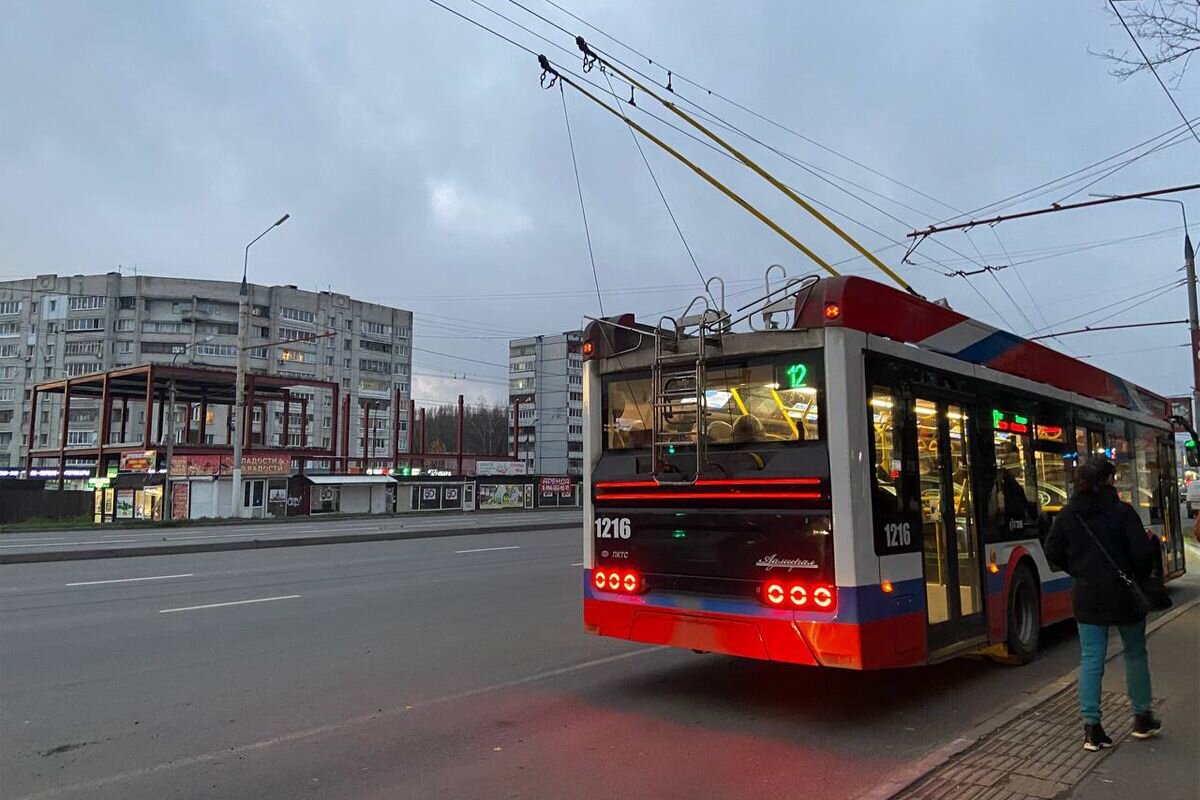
x,y
1169,31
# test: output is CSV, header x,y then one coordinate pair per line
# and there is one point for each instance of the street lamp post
x,y
240,390
1189,265
171,425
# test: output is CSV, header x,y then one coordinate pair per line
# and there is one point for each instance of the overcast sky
x,y
424,167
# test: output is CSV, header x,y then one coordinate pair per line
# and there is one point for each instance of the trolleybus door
x,y
950,527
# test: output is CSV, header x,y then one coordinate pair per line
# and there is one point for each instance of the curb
x,y
938,757
263,544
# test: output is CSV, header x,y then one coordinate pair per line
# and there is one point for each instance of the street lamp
x,y
240,391
1189,264
171,424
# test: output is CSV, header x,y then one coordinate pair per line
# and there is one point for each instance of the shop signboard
x,y
222,465
124,504
139,461
554,484
500,468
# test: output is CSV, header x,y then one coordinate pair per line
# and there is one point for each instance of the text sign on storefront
x,y
499,467
252,466
554,484
139,461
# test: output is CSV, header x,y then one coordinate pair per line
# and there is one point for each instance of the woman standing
x,y
1094,518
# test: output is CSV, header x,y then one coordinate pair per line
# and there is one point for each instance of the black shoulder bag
x,y
1149,594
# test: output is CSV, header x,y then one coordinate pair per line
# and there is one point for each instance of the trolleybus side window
x,y
1014,503
1122,457
897,518
1150,503
1050,458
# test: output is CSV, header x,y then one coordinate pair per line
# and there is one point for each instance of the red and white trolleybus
x,y
863,480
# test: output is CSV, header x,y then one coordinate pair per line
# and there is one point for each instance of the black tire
x,y
1024,616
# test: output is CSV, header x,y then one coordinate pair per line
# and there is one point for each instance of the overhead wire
x,y
1150,64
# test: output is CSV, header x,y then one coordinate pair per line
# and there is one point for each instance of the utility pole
x,y
240,392
1189,262
171,426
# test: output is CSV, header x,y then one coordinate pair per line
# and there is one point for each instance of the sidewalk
x,y
1037,754
1169,766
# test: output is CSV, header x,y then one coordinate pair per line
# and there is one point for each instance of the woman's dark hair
x,y
1093,474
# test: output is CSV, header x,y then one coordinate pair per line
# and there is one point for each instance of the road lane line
x,y
66,544
132,580
233,603
488,549
91,786
577,564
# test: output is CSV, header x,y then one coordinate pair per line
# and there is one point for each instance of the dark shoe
x,y
1094,737
1146,725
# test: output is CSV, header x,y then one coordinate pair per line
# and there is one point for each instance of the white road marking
x,y
488,549
40,539
132,580
233,603
577,564
65,544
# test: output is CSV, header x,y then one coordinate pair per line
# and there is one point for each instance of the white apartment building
x,y
546,378
54,326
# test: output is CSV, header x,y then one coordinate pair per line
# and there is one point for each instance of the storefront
x,y
130,496
349,494
202,486
447,495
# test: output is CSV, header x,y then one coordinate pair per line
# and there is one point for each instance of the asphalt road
x,y
124,538
450,667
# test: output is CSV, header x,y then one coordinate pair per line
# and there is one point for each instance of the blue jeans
x,y
1093,647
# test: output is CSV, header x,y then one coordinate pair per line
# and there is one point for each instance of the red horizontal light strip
x,y
716,482
712,496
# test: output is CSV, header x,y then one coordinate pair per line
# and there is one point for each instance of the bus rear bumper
x,y
769,635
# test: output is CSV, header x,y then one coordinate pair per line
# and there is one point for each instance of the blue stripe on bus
x,y
989,347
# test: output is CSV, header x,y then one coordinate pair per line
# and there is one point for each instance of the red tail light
x,y
627,582
832,311
818,596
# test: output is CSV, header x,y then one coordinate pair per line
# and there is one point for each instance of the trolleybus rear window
x,y
754,402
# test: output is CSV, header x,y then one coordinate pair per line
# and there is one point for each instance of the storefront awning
x,y
322,480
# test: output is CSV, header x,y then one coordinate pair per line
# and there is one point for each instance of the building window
x,y
371,365
298,314
346,364
162,348
326,422
86,303
220,328
297,356
297,334
8,373
257,352
9,329
399,368
9,307
8,351
81,437
372,385
123,346
80,369
162,326
228,350
378,347
263,331
86,348
127,303
124,325
347,344
85,324
329,361
375,329
402,332
6,415
260,311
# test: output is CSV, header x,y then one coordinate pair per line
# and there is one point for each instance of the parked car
x,y
1193,498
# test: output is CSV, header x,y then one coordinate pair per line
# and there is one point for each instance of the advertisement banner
x,y
501,495
1182,407
180,495
554,484
252,466
139,461
500,468
125,504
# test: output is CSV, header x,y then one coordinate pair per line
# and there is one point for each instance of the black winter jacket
x,y
1099,596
